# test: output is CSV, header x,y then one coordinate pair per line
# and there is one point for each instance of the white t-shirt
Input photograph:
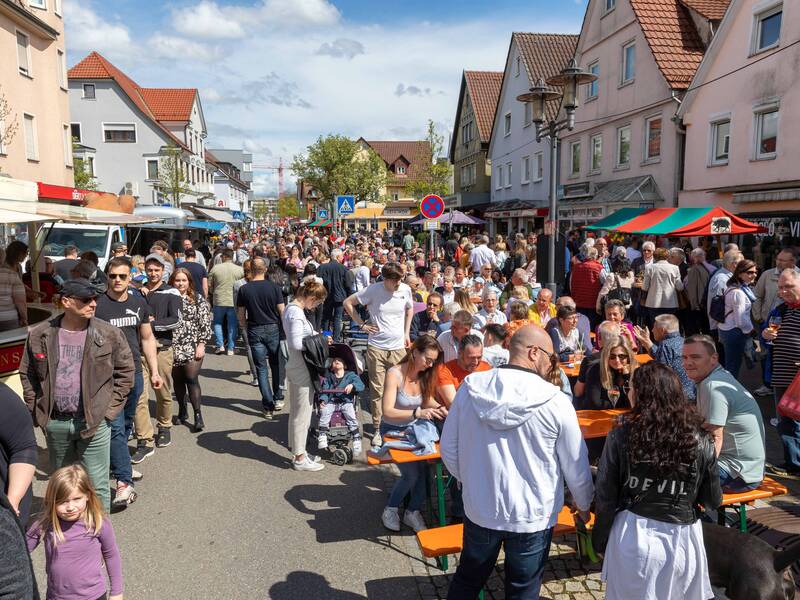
x,y
388,311
450,345
481,255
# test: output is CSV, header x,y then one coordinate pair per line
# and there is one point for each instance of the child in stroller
x,y
338,422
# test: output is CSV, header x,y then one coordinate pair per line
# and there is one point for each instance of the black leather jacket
x,y
639,489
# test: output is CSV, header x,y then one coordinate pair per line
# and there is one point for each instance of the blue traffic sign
x,y
345,205
322,214
432,206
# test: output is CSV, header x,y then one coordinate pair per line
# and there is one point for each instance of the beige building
x,y
405,162
33,82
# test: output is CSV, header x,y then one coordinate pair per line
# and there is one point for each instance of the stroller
x,y
338,435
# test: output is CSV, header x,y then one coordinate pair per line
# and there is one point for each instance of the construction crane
x,y
280,170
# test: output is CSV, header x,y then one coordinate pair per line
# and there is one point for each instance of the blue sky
x,y
273,75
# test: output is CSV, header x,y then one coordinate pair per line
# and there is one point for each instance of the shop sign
x,y
73,196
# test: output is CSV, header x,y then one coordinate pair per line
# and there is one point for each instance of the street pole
x,y
551,257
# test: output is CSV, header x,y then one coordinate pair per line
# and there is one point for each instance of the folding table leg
x,y
743,518
440,495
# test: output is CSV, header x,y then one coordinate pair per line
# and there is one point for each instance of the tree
x,y
336,165
172,181
8,120
287,207
84,180
260,211
433,177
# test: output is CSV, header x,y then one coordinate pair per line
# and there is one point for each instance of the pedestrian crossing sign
x,y
345,205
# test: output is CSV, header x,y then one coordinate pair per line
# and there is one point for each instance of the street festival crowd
x,y
465,348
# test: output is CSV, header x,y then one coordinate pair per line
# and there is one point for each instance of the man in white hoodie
x,y
512,439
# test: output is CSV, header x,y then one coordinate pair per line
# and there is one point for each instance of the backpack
x,y
717,308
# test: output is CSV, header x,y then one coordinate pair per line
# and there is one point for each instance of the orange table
x,y
573,369
598,423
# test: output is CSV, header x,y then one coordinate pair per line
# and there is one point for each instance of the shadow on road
x,y
357,499
250,408
304,584
223,442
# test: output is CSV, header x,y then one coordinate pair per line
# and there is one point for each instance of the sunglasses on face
x,y
120,276
622,357
85,301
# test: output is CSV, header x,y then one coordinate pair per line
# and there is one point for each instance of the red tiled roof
x,y
416,152
484,91
170,104
673,39
545,55
149,101
713,10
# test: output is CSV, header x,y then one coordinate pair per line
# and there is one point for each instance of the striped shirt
x,y
786,348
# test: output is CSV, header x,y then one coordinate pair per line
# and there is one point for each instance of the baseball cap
x,y
118,246
156,257
79,288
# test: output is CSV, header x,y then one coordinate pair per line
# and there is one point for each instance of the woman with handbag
x,y
617,285
737,330
657,466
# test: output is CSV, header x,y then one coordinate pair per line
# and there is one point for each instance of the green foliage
x,y
84,180
172,181
433,177
287,207
336,165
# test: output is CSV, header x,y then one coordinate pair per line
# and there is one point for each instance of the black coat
x,y
315,353
335,277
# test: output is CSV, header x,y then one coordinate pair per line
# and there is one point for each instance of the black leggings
x,y
187,377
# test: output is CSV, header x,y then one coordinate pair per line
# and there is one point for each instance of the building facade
x,y
35,140
469,146
741,153
230,192
129,130
243,162
520,180
404,161
626,150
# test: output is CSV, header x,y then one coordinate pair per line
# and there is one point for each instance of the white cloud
x,y
170,47
87,31
300,12
207,21
341,48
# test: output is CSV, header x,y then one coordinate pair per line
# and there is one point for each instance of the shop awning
x,y
13,216
215,215
676,222
75,214
208,225
322,223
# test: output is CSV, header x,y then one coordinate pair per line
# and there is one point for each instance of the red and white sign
x,y
222,203
60,193
432,206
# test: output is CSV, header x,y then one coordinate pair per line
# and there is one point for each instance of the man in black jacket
x,y
428,320
334,276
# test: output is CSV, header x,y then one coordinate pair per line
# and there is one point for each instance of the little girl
x,y
338,392
77,539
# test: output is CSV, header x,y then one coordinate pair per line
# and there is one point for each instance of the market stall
x,y
676,222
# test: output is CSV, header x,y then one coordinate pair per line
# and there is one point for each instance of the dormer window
x,y
401,170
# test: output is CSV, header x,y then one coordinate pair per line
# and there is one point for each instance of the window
x,y
89,91
119,132
3,150
528,116
624,146
57,7
516,67
591,88
610,4
508,175
88,165
628,62
767,133
767,29
574,158
152,169
24,54
31,141
720,142
597,153
66,136
247,167
62,70
538,166
507,124
468,175
38,4
526,170
466,133
395,196
75,132
652,148
499,183
401,170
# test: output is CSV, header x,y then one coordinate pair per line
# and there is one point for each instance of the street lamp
x,y
539,95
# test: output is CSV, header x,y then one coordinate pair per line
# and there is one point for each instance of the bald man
x,y
513,407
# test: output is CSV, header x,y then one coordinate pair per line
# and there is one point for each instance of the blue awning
x,y
210,225
237,214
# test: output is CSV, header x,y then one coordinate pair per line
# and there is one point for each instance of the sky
x,y
274,75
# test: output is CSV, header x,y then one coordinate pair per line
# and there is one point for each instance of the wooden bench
x,y
769,488
443,541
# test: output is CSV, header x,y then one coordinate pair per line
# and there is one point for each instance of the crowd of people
x,y
465,344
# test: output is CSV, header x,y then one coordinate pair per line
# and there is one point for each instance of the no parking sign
x,y
431,207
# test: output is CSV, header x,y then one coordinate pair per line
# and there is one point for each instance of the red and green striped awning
x,y
678,222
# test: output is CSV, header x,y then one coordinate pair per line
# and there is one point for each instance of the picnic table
x,y
598,423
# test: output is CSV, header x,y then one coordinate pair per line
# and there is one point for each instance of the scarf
x,y
748,292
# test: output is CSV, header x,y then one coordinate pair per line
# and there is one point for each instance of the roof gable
x,y
484,92
673,39
713,10
170,104
415,152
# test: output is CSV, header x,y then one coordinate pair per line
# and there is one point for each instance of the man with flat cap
x,y
76,373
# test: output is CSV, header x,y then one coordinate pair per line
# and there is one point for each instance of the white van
x,y
97,238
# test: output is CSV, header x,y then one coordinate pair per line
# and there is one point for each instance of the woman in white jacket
x,y
662,282
735,333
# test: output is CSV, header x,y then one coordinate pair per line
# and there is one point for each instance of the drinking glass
x,y
613,395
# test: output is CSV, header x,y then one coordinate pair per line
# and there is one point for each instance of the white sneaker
x,y
230,353
307,465
413,518
357,446
391,519
313,458
279,405
377,440
322,441
774,421
763,391
136,475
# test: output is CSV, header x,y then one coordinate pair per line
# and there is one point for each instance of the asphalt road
x,y
221,514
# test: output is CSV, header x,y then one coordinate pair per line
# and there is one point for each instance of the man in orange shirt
x,y
450,375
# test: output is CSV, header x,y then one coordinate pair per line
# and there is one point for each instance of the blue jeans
x,y
264,341
412,479
121,427
526,554
734,342
332,319
220,314
789,430
734,485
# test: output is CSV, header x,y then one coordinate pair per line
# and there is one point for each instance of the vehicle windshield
x,y
94,240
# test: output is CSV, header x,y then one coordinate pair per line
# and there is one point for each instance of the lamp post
x,y
539,95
